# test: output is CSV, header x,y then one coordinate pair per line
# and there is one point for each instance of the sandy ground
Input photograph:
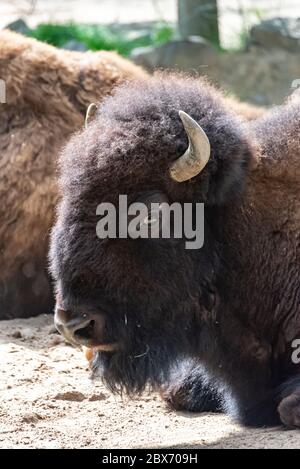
x,y
47,400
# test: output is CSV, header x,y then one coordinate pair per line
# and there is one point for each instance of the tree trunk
x,y
199,18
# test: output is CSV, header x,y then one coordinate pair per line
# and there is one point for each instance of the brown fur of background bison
x,y
48,92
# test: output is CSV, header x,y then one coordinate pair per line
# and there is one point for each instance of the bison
x,y
47,94
213,327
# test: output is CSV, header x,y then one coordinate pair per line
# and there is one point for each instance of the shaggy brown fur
x,y
48,92
232,306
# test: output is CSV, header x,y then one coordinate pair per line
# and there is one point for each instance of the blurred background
x,y
246,46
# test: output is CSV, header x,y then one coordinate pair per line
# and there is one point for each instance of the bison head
x,y
145,303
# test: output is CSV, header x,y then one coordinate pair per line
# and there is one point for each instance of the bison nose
x,y
82,329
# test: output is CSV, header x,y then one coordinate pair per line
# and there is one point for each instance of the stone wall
x,y
265,73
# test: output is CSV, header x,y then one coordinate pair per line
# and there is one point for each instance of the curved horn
x,y
90,113
196,156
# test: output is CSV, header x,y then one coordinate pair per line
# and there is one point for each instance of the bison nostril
x,y
86,332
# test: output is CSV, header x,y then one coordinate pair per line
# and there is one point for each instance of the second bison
x,y
47,94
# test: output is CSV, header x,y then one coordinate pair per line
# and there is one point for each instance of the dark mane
x,y
231,307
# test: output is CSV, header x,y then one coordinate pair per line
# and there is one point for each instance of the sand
x,y
47,400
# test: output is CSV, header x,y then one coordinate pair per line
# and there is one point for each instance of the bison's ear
x,y
90,113
193,161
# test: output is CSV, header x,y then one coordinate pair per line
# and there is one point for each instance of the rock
x,y
97,397
70,396
17,334
31,417
186,54
75,45
27,333
19,26
277,33
260,76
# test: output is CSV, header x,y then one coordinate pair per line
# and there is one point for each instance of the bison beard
x,y
231,308
149,352
123,372
139,363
